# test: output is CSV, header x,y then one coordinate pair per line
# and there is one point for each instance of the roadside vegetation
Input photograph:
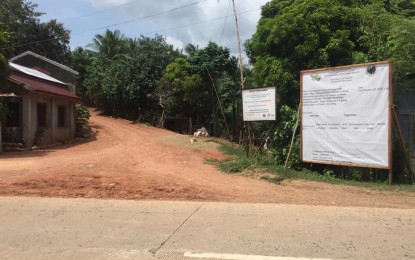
x,y
264,167
146,79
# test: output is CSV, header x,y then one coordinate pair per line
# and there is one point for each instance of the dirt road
x,y
135,161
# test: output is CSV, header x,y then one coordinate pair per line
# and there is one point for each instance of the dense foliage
x,y
191,86
21,20
307,34
119,77
295,35
4,72
147,79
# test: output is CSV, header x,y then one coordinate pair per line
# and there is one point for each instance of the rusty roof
x,y
34,84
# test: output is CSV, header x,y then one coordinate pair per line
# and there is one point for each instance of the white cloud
x,y
206,18
198,23
176,42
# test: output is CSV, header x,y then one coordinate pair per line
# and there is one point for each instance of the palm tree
x,y
111,43
191,48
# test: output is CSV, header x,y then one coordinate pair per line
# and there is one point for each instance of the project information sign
x,y
345,115
259,104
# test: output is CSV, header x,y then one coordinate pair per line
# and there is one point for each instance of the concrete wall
x,y
52,133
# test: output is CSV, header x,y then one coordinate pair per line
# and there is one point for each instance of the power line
x,y
151,15
200,22
151,32
224,24
99,12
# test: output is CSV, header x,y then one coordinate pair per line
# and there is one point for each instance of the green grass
x,y
238,162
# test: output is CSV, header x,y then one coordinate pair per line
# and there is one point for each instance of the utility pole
x,y
248,139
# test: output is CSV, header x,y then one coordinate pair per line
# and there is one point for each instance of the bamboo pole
x,y
292,138
248,138
220,104
264,140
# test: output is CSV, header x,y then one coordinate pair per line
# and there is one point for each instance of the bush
x,y
82,112
281,138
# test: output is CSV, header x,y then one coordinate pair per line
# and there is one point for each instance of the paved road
x,y
42,228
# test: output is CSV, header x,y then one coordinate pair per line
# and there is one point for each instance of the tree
x,y
48,39
111,43
126,86
4,66
4,72
179,90
387,34
191,48
301,34
186,88
295,35
80,60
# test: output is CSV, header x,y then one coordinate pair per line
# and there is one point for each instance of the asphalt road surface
x,y
52,228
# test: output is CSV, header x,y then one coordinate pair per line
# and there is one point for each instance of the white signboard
x,y
345,115
259,104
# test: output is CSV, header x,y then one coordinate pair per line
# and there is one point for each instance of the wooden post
x,y
390,174
220,104
292,138
405,154
265,139
248,139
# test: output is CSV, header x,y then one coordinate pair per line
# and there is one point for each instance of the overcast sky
x,y
180,21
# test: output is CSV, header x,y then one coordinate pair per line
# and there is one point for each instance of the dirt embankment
x,y
135,161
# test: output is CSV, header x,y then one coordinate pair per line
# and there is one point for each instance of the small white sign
x,y
259,104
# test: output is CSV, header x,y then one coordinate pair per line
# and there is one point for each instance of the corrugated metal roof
x,y
45,59
34,73
8,95
40,85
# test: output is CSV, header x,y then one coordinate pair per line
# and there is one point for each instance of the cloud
x,y
186,21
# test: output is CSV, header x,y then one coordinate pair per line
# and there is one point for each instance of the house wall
x,y
52,133
14,133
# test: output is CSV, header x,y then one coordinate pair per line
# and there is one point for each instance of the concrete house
x,y
42,106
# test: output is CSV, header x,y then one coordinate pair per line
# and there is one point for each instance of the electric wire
x,y
151,15
224,24
144,33
99,12
197,23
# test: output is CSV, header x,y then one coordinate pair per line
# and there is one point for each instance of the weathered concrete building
x,y
42,107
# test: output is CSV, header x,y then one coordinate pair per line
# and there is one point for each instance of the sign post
x,y
259,104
